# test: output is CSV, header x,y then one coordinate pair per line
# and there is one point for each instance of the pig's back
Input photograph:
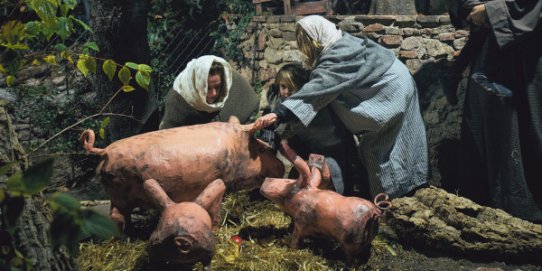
x,y
191,154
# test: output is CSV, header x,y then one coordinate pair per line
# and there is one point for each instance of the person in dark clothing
x,y
502,135
207,90
325,135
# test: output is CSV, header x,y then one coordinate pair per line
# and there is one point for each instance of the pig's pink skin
x,y
184,232
351,221
183,160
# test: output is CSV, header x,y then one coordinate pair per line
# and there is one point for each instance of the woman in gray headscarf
x,y
372,93
207,90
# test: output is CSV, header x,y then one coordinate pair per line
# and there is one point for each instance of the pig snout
x,y
278,190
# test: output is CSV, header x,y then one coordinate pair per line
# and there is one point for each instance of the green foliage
x,y
232,28
54,19
70,222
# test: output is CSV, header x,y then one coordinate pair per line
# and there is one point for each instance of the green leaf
x,y
105,122
15,183
92,45
109,67
2,69
127,88
14,207
10,79
63,27
15,46
81,23
12,32
143,79
144,67
71,4
61,47
98,225
63,202
91,64
102,133
37,176
32,28
82,66
131,65
124,75
64,230
7,167
46,10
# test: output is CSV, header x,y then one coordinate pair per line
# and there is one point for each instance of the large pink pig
x,y
351,221
184,161
184,233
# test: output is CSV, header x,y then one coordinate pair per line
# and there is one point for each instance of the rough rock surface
x,y
436,220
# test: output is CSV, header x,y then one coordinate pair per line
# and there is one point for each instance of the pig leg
x,y
351,251
297,236
121,217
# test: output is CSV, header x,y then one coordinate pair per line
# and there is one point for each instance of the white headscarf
x,y
191,83
320,29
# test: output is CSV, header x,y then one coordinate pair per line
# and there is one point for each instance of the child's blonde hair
x,y
307,45
293,76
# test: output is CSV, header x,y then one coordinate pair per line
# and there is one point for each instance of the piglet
x,y
184,232
351,221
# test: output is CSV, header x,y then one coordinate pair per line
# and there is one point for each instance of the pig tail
x,y
382,202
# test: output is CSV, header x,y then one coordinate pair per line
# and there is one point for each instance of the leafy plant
x,y
70,222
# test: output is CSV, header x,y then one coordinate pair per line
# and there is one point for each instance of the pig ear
x,y
157,194
211,197
316,177
318,165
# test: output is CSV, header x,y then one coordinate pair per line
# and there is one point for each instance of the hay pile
x,y
260,226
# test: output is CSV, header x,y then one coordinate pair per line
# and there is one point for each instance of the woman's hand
x,y
478,16
265,121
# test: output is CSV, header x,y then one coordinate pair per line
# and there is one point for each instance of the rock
x,y
438,221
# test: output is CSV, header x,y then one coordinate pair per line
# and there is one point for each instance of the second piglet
x,y
351,221
184,233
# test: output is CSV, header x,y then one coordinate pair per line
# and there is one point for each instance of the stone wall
x,y
426,44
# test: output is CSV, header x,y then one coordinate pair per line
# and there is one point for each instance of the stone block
x,y
446,37
275,33
411,43
273,19
461,33
272,56
391,41
403,21
290,27
287,18
389,30
288,36
376,27
379,19
259,19
408,54
275,43
407,32
428,20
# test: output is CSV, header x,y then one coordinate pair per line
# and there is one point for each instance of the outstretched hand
x,y
263,122
478,16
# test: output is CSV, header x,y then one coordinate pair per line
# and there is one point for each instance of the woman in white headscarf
x,y
207,90
372,93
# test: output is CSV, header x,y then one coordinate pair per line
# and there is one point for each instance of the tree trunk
x,y
393,7
31,239
438,221
120,30
31,235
